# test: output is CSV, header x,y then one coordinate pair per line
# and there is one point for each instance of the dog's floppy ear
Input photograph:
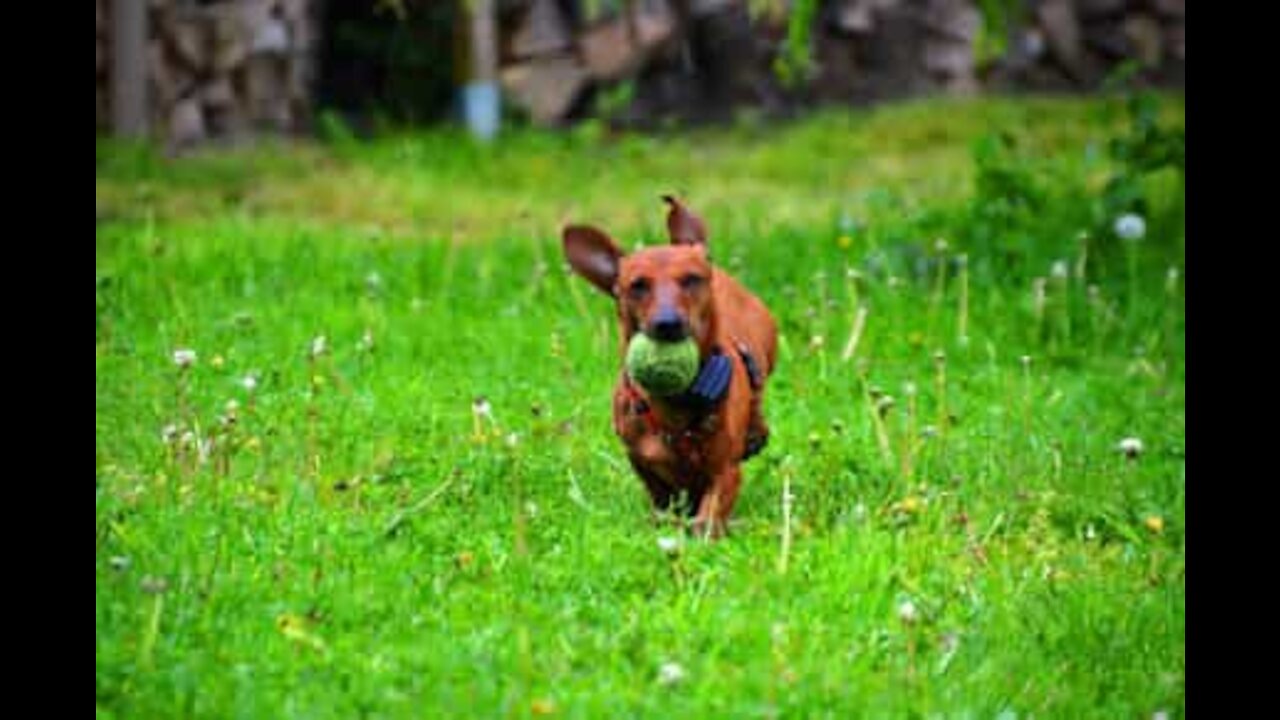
x,y
593,255
684,227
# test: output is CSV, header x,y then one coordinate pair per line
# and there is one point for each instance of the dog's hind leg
x,y
757,429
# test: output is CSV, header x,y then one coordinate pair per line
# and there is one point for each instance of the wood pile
x,y
864,50
221,70
1087,38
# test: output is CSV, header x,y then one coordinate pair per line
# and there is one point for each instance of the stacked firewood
x,y
221,70
863,49
1085,38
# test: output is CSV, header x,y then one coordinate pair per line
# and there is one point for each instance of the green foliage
x,y
1145,150
332,129
610,101
794,63
998,18
1023,199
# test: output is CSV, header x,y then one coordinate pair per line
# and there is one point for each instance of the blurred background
x,y
194,72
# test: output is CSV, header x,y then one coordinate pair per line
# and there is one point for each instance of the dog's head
x,y
662,291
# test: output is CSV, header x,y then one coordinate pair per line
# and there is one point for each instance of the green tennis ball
x,y
662,368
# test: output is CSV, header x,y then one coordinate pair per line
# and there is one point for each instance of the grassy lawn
x,y
284,533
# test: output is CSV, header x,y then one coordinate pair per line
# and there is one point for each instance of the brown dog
x,y
696,442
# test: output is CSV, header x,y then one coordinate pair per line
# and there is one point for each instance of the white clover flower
x,y
817,341
1131,447
1130,227
909,389
512,440
907,612
859,512
668,545
481,407
233,406
318,345
670,673
1060,270
184,357
249,383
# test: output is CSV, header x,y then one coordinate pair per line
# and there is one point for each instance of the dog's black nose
x,y
667,327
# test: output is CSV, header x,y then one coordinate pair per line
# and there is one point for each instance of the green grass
x,y
353,547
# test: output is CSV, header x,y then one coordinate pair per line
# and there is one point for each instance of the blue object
x,y
712,383
481,108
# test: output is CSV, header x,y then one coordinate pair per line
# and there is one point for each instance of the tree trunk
x,y
129,67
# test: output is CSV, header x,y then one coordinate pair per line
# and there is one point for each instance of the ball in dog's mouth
x,y
662,368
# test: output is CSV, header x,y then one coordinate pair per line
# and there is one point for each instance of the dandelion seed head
x,y
1130,226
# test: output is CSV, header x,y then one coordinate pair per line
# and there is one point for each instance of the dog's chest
x,y
673,453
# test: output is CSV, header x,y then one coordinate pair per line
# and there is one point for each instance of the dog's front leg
x,y
716,505
661,493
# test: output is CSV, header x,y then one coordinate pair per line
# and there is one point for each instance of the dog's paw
x,y
708,529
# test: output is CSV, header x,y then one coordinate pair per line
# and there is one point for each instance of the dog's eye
x,y
638,288
692,282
